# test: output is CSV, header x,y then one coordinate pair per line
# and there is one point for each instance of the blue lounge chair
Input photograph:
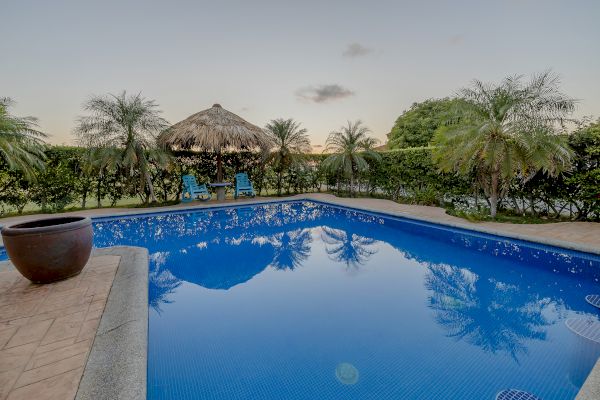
x,y
243,185
192,191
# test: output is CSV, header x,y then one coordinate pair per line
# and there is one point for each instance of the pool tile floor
x,y
47,331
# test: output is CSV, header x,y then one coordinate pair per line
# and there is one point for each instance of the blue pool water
x,y
301,300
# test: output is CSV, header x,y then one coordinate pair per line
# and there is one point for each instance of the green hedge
x,y
406,175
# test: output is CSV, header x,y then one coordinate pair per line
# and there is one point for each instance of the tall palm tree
x,y
123,130
21,145
289,141
506,131
351,147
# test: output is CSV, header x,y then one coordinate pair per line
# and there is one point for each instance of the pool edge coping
x,y
458,225
340,202
116,367
591,387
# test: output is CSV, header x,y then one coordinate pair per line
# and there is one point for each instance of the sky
x,y
320,62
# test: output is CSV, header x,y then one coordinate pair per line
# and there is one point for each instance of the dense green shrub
x,y
54,187
406,175
14,190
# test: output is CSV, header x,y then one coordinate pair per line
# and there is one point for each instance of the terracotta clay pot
x,y
48,250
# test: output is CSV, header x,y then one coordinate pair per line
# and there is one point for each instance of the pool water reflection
x,y
308,301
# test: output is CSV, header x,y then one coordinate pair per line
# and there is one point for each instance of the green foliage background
x,y
416,126
406,175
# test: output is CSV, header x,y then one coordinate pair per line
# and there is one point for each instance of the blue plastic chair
x,y
243,186
192,191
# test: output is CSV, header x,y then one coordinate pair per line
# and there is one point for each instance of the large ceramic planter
x,y
48,250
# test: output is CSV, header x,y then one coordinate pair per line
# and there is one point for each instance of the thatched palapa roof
x,y
213,130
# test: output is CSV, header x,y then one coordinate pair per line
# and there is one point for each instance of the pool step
x,y
585,327
514,394
593,299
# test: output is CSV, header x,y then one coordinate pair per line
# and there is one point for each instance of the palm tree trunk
x,y
351,185
279,177
219,167
150,188
98,197
494,193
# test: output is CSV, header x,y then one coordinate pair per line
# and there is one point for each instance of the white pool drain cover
x,y
593,299
587,328
514,394
346,373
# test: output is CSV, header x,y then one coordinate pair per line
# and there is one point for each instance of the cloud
x,y
356,50
324,93
456,40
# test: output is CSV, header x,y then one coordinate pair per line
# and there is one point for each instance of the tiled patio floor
x,y
46,331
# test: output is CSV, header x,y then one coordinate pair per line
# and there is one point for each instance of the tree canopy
x,y
351,146
21,145
122,131
416,126
507,130
289,141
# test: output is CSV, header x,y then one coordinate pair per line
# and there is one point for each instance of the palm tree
x,y
21,145
289,141
351,147
506,131
122,130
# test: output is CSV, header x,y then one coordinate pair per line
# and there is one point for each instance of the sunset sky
x,y
320,62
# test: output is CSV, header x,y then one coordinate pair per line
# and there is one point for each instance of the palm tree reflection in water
x,y
346,247
291,248
493,315
161,282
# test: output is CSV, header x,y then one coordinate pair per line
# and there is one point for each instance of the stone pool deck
x,y
47,331
81,338
86,337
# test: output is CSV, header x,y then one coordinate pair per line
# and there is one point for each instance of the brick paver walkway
x,y
46,331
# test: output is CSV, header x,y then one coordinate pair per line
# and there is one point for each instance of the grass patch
x,y
128,202
505,217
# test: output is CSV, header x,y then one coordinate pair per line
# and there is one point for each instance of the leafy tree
x,y
54,186
416,126
351,147
122,131
584,181
14,189
289,142
21,145
506,131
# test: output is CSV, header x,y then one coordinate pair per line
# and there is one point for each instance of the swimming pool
x,y
303,300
